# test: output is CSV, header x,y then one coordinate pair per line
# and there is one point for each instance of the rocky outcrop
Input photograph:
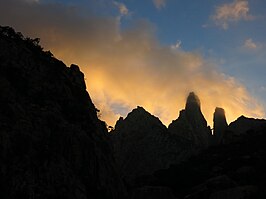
x,y
142,144
52,144
191,124
219,125
241,127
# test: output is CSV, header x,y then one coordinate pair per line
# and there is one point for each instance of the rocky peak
x,y
219,125
241,127
193,111
137,112
137,121
140,142
244,124
139,118
193,102
219,112
119,122
191,123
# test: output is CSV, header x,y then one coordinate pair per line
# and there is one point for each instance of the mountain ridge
x,y
52,144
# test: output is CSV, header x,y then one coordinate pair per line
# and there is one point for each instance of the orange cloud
x,y
232,12
127,68
250,44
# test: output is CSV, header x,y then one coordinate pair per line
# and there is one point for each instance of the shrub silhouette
x,y
33,44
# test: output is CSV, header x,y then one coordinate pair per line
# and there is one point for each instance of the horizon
x,y
153,53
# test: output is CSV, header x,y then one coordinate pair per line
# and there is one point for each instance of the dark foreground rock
x,y
52,144
149,192
235,170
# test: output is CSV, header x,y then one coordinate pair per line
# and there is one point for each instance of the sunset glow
x,y
127,62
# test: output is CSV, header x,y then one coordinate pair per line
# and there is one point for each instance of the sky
x,y
152,53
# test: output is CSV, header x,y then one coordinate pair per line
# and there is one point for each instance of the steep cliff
x,y
52,144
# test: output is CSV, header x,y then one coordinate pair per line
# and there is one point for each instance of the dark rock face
x,y
52,144
234,170
136,147
142,144
247,192
212,185
219,125
150,192
191,124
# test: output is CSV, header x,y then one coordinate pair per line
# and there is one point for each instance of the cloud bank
x,y
231,12
127,68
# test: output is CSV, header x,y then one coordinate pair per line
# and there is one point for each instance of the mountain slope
x,y
52,144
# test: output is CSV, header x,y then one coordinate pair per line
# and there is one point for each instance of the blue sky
x,y
190,23
152,52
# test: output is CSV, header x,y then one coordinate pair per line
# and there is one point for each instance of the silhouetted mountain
x,y
142,144
214,170
241,126
52,144
226,171
191,124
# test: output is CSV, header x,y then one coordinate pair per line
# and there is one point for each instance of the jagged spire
x,y
192,101
191,123
193,111
219,125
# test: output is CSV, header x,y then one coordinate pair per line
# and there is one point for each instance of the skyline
x,y
154,53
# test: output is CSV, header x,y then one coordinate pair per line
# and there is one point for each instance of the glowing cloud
x,y
231,12
159,3
132,70
249,44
